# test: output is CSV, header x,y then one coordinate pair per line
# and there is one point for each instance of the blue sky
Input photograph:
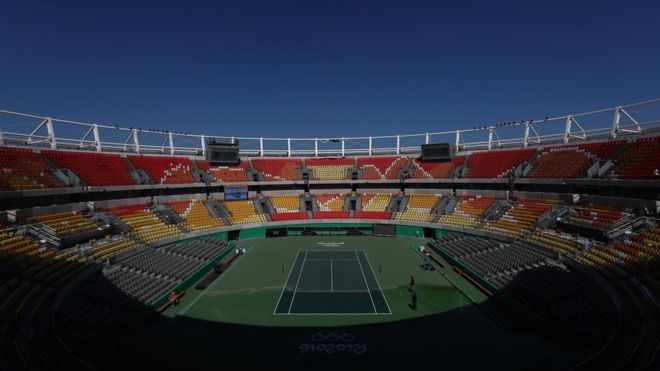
x,y
324,68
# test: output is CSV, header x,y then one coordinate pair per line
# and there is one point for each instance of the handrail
x,y
54,133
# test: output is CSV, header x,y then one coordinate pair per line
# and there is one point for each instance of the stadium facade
x,y
555,219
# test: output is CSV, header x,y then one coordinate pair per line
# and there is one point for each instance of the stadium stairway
x,y
607,169
496,164
374,202
496,210
64,175
527,166
418,208
170,217
217,210
440,208
138,175
398,203
21,169
94,168
452,201
639,160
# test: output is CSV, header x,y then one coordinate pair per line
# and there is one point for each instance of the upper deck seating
x,y
95,169
237,173
374,168
165,169
329,168
571,161
436,169
21,169
639,160
278,169
495,164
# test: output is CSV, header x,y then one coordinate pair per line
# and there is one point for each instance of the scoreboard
x,y
438,151
234,193
222,154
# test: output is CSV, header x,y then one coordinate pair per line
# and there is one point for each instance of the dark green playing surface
x,y
331,282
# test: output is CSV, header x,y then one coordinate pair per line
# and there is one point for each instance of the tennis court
x,y
331,282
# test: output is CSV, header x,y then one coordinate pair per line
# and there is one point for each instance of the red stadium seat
x,y
288,216
495,164
278,169
95,169
372,215
165,169
330,214
639,160
22,169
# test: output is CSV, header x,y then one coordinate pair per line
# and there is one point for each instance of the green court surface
x,y
325,281
331,282
249,319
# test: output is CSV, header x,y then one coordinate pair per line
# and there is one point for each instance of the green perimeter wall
x,y
409,231
248,234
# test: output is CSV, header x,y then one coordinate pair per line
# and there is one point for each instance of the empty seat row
x,y
165,169
436,169
375,202
278,169
95,169
330,202
496,164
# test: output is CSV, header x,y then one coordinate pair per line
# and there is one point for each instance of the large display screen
x,y
437,151
385,229
222,155
234,193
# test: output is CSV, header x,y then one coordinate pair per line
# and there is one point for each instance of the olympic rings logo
x,y
331,342
333,336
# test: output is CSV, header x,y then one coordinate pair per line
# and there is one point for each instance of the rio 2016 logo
x,y
331,342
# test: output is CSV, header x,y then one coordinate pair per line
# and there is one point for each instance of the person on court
x,y
412,284
413,305
174,298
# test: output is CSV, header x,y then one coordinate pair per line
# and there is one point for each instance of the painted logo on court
x,y
332,342
330,244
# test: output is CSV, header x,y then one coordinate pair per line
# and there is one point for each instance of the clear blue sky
x,y
324,68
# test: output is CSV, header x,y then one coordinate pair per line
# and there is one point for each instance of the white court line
x,y
377,283
326,291
297,282
324,260
285,282
334,314
365,283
